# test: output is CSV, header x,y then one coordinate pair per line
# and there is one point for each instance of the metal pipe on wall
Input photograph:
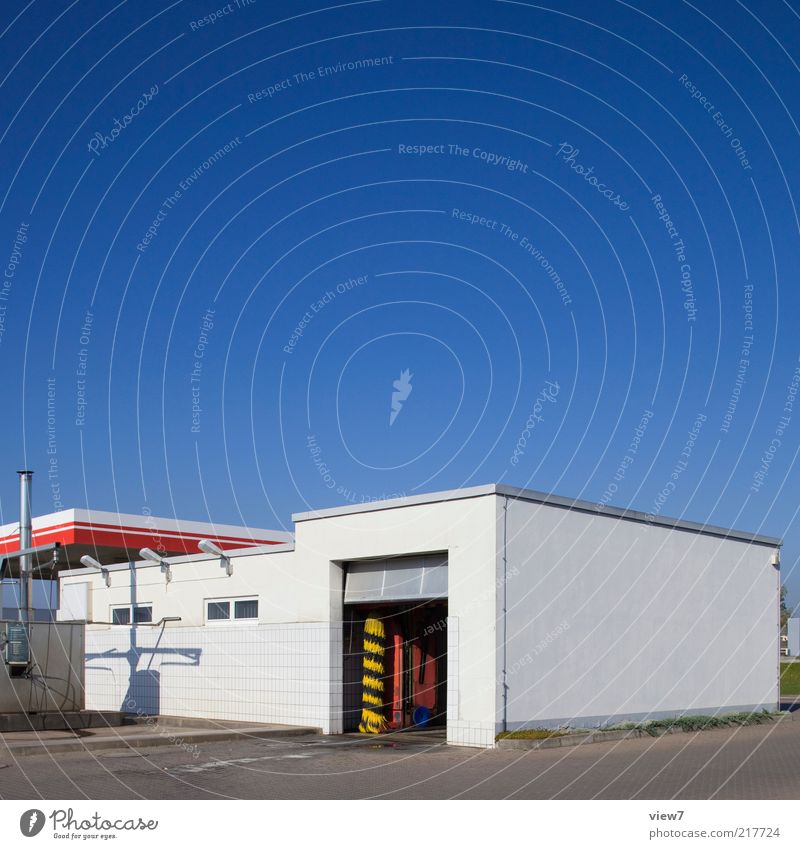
x,y
25,541
505,614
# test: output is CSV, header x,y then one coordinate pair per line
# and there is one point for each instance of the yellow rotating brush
x,y
372,719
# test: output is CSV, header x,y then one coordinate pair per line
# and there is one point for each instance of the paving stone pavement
x,y
761,762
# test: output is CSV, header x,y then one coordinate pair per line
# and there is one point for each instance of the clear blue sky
x,y
316,198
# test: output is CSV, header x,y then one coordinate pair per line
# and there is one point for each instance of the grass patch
x,y
654,727
790,679
531,734
695,723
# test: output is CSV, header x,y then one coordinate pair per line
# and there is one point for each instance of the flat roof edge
x,y
177,560
540,498
635,515
391,503
115,521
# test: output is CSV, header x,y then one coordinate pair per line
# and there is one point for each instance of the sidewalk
x,y
161,731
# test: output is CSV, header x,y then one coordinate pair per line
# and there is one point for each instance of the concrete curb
x,y
62,721
160,736
569,740
192,722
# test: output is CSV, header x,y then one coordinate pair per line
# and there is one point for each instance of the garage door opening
x,y
408,598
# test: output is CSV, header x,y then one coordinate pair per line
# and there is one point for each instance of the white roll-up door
x,y
396,579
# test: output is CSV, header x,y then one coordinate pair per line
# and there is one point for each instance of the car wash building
x,y
500,609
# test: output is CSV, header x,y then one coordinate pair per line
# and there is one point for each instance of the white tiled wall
x,y
453,712
459,732
287,673
478,734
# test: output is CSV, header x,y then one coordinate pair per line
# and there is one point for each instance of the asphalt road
x,y
761,762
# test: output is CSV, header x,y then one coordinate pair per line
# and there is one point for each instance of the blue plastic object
x,y
421,716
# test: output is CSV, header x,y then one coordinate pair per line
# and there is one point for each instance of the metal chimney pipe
x,y
25,541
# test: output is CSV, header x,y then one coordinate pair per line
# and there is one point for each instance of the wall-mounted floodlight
x,y
776,558
91,563
149,554
209,547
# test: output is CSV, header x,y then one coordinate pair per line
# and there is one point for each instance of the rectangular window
x,y
220,610
142,613
136,613
121,616
246,609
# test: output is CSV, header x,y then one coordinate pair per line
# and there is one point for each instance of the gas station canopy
x,y
59,540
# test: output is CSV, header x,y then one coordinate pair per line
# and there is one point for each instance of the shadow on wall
x,y
143,696
144,693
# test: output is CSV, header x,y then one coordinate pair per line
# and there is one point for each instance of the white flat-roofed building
x,y
504,609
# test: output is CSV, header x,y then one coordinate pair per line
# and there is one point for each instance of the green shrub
x,y
695,723
654,727
531,734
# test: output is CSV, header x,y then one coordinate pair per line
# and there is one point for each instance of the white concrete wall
x,y
611,619
466,530
265,673
285,594
275,670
